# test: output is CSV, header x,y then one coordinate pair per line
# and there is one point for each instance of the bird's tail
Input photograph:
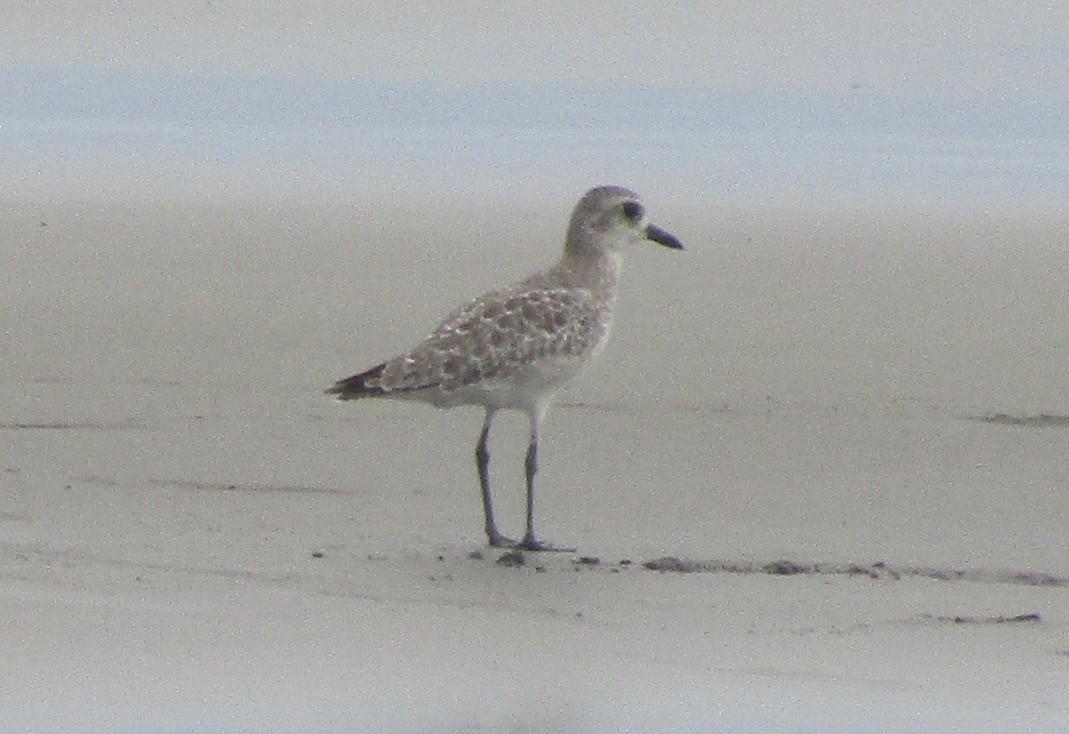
x,y
357,386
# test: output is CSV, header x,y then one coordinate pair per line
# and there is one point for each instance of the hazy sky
x,y
822,90
947,46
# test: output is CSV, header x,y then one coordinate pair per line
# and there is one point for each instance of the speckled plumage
x,y
513,348
536,326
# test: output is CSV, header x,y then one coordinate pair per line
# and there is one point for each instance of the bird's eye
x,y
633,211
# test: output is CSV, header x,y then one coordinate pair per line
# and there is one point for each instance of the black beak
x,y
661,237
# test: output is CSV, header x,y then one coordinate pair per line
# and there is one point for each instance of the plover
x,y
514,348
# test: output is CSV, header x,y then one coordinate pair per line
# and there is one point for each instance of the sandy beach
x,y
819,480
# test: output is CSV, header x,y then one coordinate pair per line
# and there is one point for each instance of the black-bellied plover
x,y
514,348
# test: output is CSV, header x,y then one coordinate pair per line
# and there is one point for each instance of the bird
x,y
514,348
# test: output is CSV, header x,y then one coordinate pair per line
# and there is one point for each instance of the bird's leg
x,y
530,466
482,463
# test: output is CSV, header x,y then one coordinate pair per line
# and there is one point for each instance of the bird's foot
x,y
533,544
529,543
497,540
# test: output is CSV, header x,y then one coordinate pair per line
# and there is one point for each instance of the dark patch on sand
x,y
1043,420
1030,618
239,487
72,426
192,485
879,570
512,559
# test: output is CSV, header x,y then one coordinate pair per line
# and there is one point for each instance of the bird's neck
x,y
598,272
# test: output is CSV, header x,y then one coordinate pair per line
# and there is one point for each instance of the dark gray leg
x,y
482,463
530,465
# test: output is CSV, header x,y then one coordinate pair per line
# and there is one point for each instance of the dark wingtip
x,y
356,386
662,237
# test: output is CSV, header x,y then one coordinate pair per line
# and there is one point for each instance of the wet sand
x,y
818,480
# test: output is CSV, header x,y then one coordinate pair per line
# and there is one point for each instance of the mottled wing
x,y
495,336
